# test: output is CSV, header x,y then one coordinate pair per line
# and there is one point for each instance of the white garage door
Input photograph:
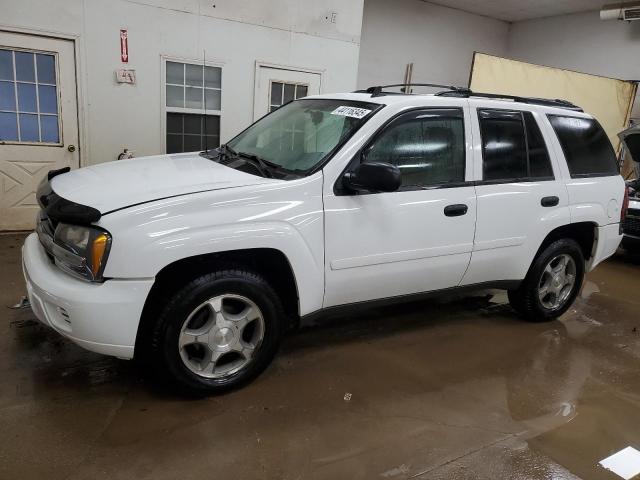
x,y
38,120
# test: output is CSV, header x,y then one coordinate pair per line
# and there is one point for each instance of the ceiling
x,y
516,10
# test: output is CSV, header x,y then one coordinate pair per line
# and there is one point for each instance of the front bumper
x,y
101,317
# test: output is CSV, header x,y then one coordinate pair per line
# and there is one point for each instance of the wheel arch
x,y
585,234
271,263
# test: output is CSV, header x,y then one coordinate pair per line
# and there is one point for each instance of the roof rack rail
x,y
530,100
378,91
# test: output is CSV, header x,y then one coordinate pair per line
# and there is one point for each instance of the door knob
x,y
71,148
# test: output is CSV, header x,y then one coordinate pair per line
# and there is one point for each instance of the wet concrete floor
x,y
450,388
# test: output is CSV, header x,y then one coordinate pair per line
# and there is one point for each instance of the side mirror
x,y
373,177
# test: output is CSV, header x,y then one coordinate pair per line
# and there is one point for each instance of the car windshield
x,y
299,136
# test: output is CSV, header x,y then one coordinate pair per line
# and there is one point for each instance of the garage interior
x,y
454,386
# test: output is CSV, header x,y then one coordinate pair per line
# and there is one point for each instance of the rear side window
x,y
426,145
512,147
585,146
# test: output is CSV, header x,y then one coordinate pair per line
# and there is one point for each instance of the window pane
x,y
46,68
213,125
7,96
193,124
8,126
539,163
585,146
49,128
301,91
174,143
175,96
503,145
193,98
213,141
427,146
175,73
6,65
213,99
24,67
193,75
276,93
213,77
27,97
47,98
29,128
288,92
192,143
174,123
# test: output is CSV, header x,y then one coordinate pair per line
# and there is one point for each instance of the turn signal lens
x,y
97,253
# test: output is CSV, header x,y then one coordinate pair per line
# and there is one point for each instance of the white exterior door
x,y
277,86
417,239
38,120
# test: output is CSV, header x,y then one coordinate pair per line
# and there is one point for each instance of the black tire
x,y
525,299
165,333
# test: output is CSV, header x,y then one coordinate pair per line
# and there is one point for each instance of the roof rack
x,y
378,91
558,102
464,92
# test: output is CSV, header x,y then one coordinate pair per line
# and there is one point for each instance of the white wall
x,y
580,42
236,33
439,41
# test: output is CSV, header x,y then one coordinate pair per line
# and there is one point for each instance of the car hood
x,y
123,183
631,139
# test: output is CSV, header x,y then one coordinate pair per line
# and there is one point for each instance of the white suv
x,y
199,262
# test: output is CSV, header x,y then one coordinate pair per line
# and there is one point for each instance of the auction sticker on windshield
x,y
353,112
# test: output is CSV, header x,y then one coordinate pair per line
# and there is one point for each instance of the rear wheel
x,y
217,332
552,284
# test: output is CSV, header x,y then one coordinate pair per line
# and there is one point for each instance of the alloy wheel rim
x,y
221,336
557,282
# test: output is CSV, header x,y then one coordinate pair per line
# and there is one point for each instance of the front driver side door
x,y
416,239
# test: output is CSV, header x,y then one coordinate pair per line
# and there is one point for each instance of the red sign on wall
x,y
124,45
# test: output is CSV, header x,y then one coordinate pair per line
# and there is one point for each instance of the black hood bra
x,y
60,209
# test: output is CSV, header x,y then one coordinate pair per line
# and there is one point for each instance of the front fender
x,y
286,216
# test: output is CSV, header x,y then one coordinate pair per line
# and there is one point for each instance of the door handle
x,y
549,201
455,210
71,148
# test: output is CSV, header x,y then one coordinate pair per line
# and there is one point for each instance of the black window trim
x,y
338,188
564,153
529,178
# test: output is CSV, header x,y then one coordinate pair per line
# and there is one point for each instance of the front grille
x,y
631,13
631,224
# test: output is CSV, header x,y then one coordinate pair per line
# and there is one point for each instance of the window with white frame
x,y
281,93
28,97
189,89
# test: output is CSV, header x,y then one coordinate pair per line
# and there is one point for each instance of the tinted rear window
x,y
512,147
585,146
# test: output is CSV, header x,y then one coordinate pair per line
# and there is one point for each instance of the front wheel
x,y
219,331
552,284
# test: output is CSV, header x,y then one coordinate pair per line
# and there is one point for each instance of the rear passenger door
x,y
520,193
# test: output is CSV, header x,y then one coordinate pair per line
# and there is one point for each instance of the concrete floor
x,y
455,387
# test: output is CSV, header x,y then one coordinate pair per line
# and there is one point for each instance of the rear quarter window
x,y
585,145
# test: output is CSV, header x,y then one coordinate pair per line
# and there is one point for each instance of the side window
x,y
539,163
512,146
585,145
426,145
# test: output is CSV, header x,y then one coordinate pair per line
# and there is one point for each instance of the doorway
x,y
38,120
276,86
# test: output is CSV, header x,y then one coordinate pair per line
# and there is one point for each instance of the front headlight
x,y
83,250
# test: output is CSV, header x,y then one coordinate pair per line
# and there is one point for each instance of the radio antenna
x,y
204,94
